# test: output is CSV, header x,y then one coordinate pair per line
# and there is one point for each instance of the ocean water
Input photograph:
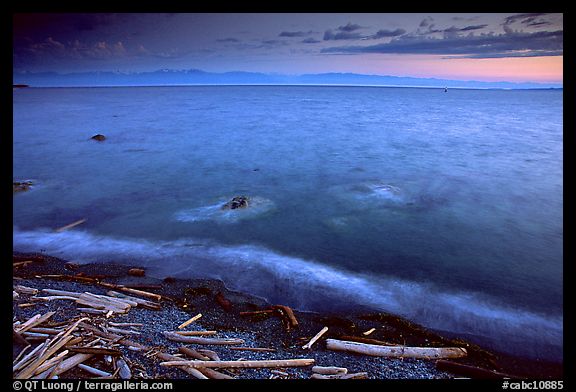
x,y
445,208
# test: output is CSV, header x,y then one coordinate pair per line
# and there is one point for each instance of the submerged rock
x,y
236,202
21,186
98,137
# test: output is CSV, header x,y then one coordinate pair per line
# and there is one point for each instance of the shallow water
x,y
442,207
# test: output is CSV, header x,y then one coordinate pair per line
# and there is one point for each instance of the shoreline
x,y
221,310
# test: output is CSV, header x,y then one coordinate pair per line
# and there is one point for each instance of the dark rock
x,y
236,202
21,186
99,137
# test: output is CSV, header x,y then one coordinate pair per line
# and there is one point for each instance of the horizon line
x,y
16,86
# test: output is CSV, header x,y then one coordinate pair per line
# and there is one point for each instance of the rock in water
x,y
99,137
236,202
21,186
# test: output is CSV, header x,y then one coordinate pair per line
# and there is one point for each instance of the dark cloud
x,y
310,41
427,21
477,46
329,35
294,33
522,18
388,33
350,27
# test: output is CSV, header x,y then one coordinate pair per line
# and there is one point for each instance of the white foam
x,y
258,206
310,285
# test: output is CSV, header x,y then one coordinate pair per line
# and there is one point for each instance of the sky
x,y
516,47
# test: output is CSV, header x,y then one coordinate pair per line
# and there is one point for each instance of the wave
x,y
214,212
310,285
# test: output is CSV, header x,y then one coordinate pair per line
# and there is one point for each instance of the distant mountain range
x,y
197,77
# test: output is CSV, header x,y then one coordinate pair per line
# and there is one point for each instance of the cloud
x,y
310,41
295,33
522,18
491,45
228,40
329,35
350,27
387,33
427,21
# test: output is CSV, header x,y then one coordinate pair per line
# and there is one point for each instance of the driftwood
x,y
29,356
329,370
212,355
470,371
191,371
141,302
33,321
288,314
190,321
123,331
243,364
193,353
262,349
396,351
25,290
192,339
367,340
94,371
194,333
315,338
70,363
125,373
95,350
71,225
339,376
104,302
142,293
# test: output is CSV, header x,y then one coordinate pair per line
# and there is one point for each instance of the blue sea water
x,y
445,208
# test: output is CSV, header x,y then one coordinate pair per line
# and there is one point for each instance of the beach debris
x,y
470,371
94,371
280,363
366,340
329,370
287,315
196,340
21,186
141,302
71,225
190,321
223,302
136,272
256,349
369,331
99,137
194,333
124,372
396,351
19,289
193,353
236,202
315,338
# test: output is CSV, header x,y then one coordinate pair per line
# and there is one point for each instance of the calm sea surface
x,y
445,208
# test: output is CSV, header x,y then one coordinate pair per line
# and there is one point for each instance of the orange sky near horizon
x,y
546,69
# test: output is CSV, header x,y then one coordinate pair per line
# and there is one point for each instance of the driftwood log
x,y
315,338
197,340
396,351
243,364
